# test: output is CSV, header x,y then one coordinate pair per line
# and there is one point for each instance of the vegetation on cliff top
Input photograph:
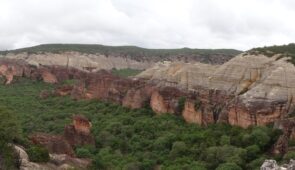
x,y
137,139
127,51
287,50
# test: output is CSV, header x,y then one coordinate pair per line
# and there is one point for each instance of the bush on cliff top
x,y
287,50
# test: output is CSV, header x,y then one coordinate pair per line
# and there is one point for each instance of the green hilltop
x,y
132,51
286,50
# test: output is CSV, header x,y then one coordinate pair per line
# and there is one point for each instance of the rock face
x,y
247,90
191,114
254,89
56,162
272,165
165,100
76,134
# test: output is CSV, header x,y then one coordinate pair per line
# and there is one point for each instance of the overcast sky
x,y
240,24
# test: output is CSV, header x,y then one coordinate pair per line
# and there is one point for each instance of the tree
x,y
260,137
9,126
289,155
178,149
224,140
252,152
9,131
228,166
38,154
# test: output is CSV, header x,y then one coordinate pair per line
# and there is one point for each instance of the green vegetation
x,y
38,154
126,72
181,103
133,52
287,50
137,139
9,132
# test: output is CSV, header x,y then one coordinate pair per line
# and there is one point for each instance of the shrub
x,y
178,149
252,152
224,140
38,154
288,156
83,152
228,166
181,103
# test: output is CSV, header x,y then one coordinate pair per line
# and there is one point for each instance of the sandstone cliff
x,y
253,89
96,57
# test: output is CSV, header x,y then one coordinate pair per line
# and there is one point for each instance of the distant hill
x,y
286,50
133,52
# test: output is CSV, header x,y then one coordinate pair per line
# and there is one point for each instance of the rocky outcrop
x,y
76,134
272,165
56,162
53,143
288,128
48,77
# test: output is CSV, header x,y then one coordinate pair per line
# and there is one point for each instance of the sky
x,y
238,24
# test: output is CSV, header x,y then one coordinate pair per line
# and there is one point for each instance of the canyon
x,y
248,90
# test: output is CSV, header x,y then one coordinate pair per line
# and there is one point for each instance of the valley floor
x,y
138,139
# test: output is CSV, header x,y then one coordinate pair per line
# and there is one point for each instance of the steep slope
x,y
96,57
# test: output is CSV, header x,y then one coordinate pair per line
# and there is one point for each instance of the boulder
x,y
56,162
272,165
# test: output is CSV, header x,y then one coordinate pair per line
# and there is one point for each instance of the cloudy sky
x,y
240,24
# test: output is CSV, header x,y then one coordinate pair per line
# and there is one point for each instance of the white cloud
x,y
240,24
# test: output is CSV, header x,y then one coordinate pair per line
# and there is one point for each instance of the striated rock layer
x,y
247,90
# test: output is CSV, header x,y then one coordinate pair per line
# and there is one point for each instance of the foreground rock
x,y
272,165
56,162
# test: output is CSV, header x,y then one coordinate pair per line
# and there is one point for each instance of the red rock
x,y
54,143
190,114
63,90
48,77
136,98
165,100
81,124
78,133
